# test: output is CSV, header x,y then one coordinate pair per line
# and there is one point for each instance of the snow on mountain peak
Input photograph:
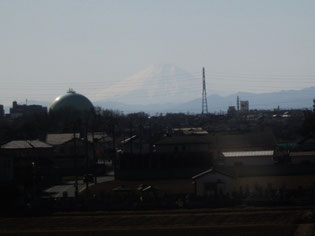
x,y
157,84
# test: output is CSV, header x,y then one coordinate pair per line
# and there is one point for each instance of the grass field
x,y
235,221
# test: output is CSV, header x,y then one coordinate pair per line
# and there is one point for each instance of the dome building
x,y
71,116
72,101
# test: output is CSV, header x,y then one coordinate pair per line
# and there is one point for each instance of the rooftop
x,y
25,144
248,153
58,139
189,139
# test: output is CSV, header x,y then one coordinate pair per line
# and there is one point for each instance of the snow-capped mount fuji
x,y
157,84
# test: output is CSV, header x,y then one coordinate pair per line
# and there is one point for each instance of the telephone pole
x,y
204,93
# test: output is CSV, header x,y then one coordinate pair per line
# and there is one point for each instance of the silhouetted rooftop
x,y
183,140
25,144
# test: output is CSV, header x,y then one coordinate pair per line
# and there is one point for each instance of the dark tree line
x,y
117,124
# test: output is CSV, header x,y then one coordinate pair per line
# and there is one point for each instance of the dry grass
x,y
277,221
257,230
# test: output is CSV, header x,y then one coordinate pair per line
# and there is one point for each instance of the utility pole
x,y
204,93
87,178
76,189
95,160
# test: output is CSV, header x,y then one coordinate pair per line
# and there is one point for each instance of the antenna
x,y
204,93
71,90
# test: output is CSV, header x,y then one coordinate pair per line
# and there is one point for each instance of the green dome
x,y
71,100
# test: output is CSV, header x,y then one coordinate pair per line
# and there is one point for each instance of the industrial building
x,y
244,106
72,101
23,110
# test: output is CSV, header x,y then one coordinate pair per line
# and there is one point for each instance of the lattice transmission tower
x,y
204,93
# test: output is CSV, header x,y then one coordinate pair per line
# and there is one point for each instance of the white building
x,y
244,106
213,183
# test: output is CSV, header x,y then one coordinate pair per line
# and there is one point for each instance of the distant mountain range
x,y
289,99
168,88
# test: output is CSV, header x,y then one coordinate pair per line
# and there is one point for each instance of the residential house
x,y
249,180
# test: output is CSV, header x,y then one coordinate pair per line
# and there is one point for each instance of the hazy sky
x,y
258,46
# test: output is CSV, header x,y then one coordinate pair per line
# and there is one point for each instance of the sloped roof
x,y
213,170
57,139
25,144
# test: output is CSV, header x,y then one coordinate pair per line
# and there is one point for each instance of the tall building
x,y
244,106
1,111
22,110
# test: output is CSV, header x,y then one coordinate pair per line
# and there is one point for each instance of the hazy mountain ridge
x,y
288,99
168,88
